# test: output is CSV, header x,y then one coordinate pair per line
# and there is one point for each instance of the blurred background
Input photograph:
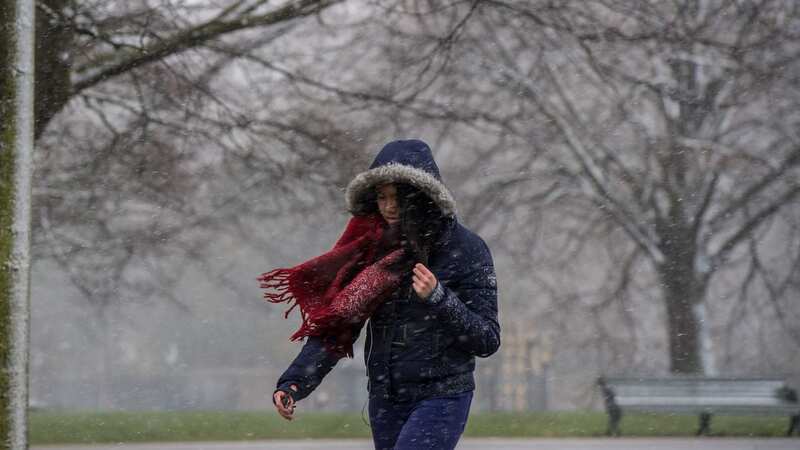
x,y
634,167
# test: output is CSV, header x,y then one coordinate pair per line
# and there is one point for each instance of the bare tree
x,y
657,135
82,45
673,123
145,118
145,150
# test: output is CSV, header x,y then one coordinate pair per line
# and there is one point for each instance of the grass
x,y
593,424
67,428
82,428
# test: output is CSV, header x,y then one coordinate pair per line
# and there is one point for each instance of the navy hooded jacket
x,y
417,349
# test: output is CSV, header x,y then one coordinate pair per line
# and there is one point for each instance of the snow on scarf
x,y
338,290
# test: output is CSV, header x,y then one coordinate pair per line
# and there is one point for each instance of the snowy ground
x,y
470,444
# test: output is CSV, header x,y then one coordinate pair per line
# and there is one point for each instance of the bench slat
x,y
701,394
716,410
719,401
629,390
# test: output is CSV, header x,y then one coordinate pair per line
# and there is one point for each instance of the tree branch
x,y
789,163
198,36
753,223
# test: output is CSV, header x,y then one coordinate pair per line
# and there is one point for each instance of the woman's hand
x,y
284,403
424,281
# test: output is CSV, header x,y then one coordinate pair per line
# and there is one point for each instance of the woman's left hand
x,y
424,281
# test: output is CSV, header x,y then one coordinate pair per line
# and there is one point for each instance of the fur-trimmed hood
x,y
404,161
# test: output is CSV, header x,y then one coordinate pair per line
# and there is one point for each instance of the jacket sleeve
x,y
310,367
471,313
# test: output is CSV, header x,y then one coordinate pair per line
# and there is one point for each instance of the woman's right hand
x,y
284,403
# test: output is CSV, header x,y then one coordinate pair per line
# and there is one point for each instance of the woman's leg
x,y
386,418
435,424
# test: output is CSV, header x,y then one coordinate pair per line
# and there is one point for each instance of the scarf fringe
x,y
279,281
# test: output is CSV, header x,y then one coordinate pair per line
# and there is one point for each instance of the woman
x,y
427,286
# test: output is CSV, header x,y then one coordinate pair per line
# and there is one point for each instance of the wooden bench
x,y
703,396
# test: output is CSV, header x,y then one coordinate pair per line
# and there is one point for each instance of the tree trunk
x,y
105,401
682,291
683,329
52,81
706,346
16,144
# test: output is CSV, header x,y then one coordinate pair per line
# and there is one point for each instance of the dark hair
x,y
420,220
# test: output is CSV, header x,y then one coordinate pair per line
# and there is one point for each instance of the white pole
x,y
19,263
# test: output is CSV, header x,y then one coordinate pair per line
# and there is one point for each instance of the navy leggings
x,y
434,423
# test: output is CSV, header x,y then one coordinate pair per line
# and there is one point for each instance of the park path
x,y
467,444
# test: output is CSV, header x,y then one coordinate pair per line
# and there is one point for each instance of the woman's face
x,y
387,203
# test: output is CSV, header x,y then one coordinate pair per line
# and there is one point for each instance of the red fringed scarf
x,y
341,288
